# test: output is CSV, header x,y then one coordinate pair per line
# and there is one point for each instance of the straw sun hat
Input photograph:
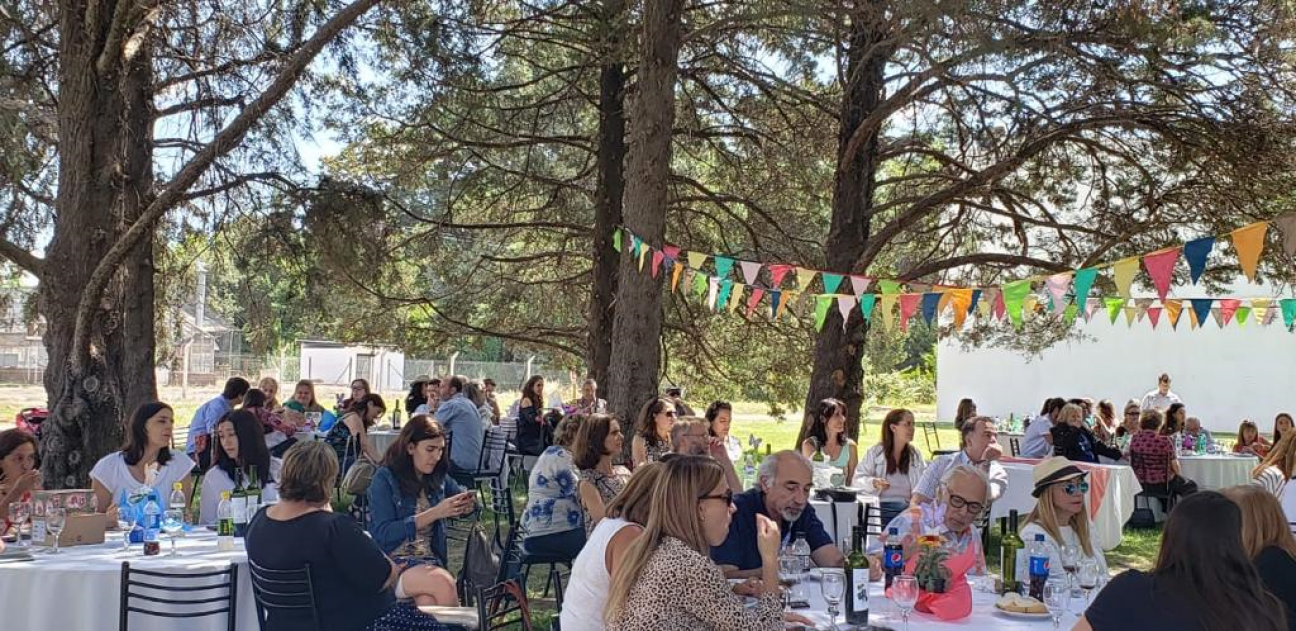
x,y
1053,470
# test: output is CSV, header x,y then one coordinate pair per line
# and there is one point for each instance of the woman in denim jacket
x,y
411,496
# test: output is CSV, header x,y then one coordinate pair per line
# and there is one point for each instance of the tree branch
x,y
931,267
19,256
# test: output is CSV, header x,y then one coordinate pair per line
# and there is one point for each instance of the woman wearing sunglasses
x,y
1060,515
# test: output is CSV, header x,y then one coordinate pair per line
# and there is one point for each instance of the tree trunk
x,y
636,329
105,175
610,188
838,370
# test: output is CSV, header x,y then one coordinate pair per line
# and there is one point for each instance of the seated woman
x,y
1104,426
1073,440
598,441
1202,579
18,473
827,434
1250,441
412,496
302,402
553,520
1269,544
626,514
146,458
1130,423
1277,467
719,418
1154,458
894,466
667,580
353,581
1282,425
359,390
278,431
240,447
1060,514
350,435
652,434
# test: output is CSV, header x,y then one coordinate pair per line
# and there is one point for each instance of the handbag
x,y
360,475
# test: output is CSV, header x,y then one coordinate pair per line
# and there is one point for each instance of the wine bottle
x,y
857,580
1008,549
253,491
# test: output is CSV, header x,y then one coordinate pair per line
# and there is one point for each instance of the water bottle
x,y
152,522
225,523
893,560
1201,444
1039,567
801,550
177,500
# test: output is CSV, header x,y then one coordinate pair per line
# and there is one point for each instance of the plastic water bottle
x,y
1039,566
225,523
801,550
177,500
152,522
893,560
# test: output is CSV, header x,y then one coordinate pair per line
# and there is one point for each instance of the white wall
x,y
1222,376
337,366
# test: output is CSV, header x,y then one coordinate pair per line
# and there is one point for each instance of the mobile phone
x,y
799,604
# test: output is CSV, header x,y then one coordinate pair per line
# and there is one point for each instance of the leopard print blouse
x,y
682,590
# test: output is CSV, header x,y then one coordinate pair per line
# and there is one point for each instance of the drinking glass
x,y
125,524
172,524
1088,577
55,519
18,513
833,587
904,593
1057,597
313,420
1070,557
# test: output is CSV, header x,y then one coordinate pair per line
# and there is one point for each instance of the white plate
x,y
1024,616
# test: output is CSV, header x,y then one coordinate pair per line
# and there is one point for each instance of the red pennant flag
x,y
1000,308
908,307
672,251
657,261
777,273
755,299
1228,307
1160,266
1154,314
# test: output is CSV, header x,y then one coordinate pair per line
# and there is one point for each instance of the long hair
x,y
1263,522
12,439
819,424
528,392
591,439
634,502
419,428
1281,416
252,450
415,398
713,411
674,513
314,405
1281,455
265,385
365,404
1241,433
1107,412
1172,423
254,398
137,437
647,428
1045,514
1202,556
966,410
893,418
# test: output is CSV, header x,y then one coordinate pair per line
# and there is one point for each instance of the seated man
x,y
690,437
1038,441
1193,428
981,451
960,499
782,494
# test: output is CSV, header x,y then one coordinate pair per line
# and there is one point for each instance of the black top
x,y
1079,444
347,568
1131,602
1278,571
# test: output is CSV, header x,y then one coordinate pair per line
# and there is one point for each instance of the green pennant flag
x,y
1014,294
1084,279
1289,311
1114,306
726,287
1069,315
723,266
888,286
1241,316
699,284
822,303
831,282
616,239
867,302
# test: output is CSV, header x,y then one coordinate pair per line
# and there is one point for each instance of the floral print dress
x,y
553,504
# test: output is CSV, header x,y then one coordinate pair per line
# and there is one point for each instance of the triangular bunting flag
x,y
750,271
1014,294
636,244
1141,306
616,239
945,299
723,265
804,278
1193,320
1201,308
821,310
696,260
1069,315
1249,242
699,284
714,284
1124,271
1217,316
1272,314
975,300
845,304
929,303
657,258
1196,252
672,252
726,288
1084,280
908,307
1130,316
1228,308
1028,306
775,305
866,304
675,276
888,309
1174,308
1243,314
888,287
1114,306
643,255
1092,307
1261,307
961,304
831,282
1154,314
1000,307
1287,225
755,299
1289,312
1057,285
736,297
860,284
1160,266
777,273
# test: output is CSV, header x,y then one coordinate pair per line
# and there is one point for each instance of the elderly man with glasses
x,y
960,499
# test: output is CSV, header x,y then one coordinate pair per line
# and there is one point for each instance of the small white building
x,y
334,363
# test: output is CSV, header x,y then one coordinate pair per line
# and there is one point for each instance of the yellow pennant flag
x,y
888,309
1130,314
1174,308
1028,307
1259,308
736,297
1249,242
804,278
1124,271
643,253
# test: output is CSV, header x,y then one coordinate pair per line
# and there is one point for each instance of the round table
x,y
1217,471
79,588
1112,488
381,439
841,517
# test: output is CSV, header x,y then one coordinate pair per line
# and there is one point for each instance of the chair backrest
x,y
873,520
1014,446
178,594
503,606
289,592
930,435
503,512
490,462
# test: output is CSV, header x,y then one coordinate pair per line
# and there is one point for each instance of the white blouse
x,y
114,474
1069,537
216,481
874,467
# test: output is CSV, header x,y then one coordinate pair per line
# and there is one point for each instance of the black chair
x,y
503,606
499,500
553,573
173,594
286,591
488,468
930,435
1014,446
873,525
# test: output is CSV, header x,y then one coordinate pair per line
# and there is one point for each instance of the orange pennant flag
x,y
675,275
1174,308
1249,242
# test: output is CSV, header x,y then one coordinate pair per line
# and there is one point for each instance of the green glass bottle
x,y
1011,545
857,580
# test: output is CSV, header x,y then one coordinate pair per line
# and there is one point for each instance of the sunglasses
x,y
727,496
1076,488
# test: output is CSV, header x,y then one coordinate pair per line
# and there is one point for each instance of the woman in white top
x,y
1278,466
148,447
827,434
592,571
894,466
1060,515
240,447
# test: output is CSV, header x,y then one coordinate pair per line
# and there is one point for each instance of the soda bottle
x,y
1010,547
893,560
1039,567
152,522
225,523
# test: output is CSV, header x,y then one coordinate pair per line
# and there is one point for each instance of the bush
x,y
915,386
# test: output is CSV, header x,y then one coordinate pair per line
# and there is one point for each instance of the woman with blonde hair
x,y
1060,514
1073,440
1251,441
1278,466
1269,543
667,581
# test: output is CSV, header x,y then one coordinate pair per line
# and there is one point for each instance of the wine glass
x,y
55,519
125,524
18,513
1088,576
904,593
833,587
1070,560
1057,597
172,524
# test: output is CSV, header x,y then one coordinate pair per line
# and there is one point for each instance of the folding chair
x,y
503,606
288,592
1014,446
930,435
173,594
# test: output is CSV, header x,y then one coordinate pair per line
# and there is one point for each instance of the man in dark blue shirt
x,y
782,494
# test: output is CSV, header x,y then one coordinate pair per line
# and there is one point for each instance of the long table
x,y
1111,496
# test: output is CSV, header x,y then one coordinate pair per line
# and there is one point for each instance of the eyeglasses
x,y
727,496
1074,488
957,501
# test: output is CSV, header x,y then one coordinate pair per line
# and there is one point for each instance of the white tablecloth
x,y
1217,472
847,515
78,589
381,439
1111,497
